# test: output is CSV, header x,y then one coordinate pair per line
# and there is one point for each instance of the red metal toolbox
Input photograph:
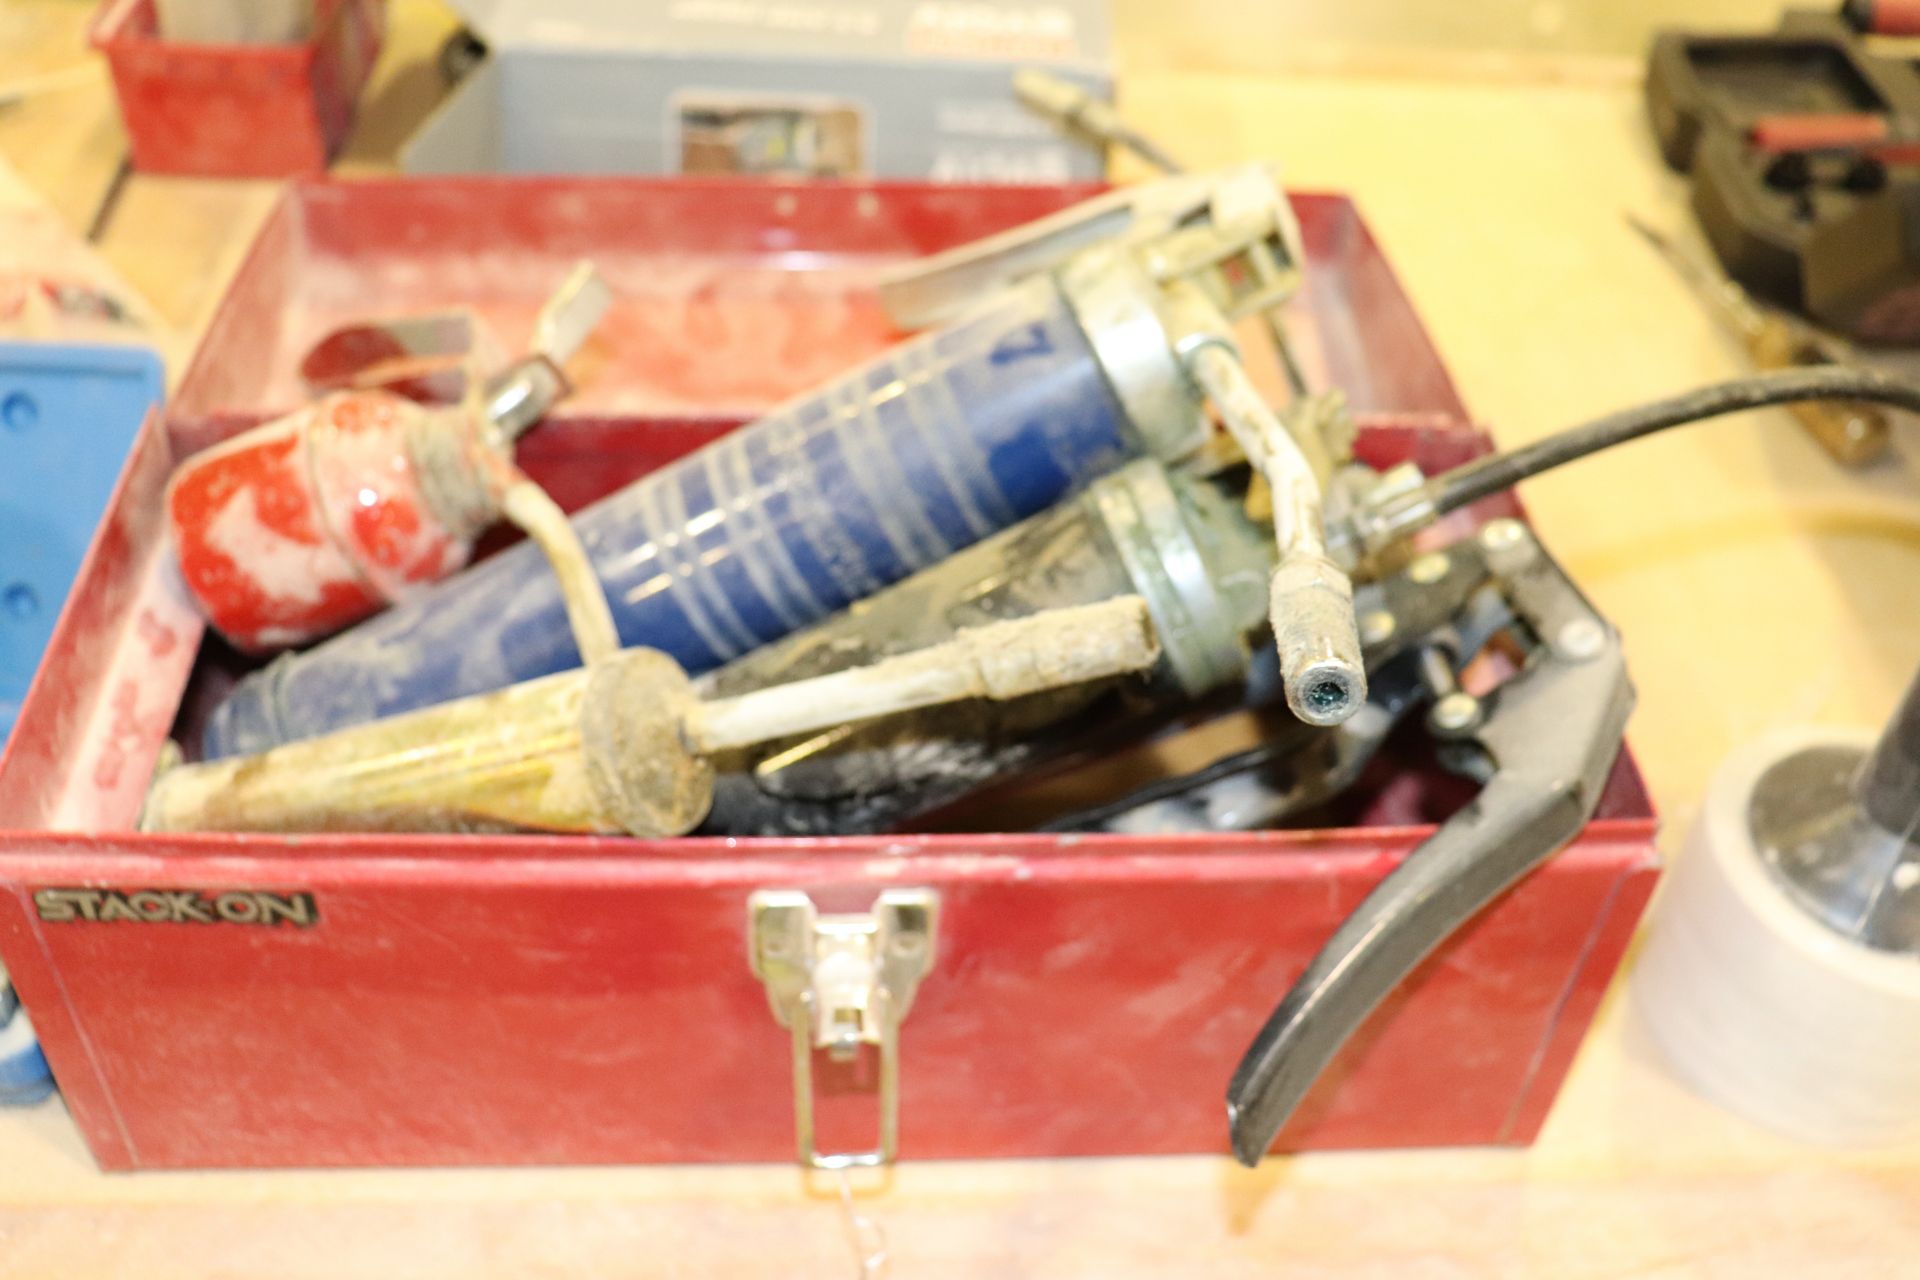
x,y
239,110
216,1000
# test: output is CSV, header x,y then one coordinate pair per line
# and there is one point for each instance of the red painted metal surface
x,y
239,111
301,526
730,294
529,999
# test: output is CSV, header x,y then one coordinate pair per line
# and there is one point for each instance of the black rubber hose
x,y
1487,476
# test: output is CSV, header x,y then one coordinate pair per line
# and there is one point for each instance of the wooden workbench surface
x,y
1757,587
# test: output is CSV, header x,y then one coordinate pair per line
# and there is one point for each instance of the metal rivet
x,y
1457,713
1580,640
19,411
1430,568
1501,534
1377,627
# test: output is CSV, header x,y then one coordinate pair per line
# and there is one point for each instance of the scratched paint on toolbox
x,y
119,693
681,337
782,274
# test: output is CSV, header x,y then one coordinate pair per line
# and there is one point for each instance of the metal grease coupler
x,y
307,524
1063,350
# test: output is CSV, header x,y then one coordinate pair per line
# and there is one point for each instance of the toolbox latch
x,y
840,982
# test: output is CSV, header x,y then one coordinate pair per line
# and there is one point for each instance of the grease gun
x,y
620,746
1540,739
1063,349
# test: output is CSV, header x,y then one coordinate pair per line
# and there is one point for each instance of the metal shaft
x,y
1312,599
521,394
1073,107
1732,305
1889,781
1000,661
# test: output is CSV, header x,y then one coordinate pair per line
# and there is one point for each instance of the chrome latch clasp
x,y
840,982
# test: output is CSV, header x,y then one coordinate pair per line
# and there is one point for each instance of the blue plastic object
x,y
68,414
24,1077
937,444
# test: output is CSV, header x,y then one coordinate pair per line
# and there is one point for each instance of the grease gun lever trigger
x,y
1551,734
1234,216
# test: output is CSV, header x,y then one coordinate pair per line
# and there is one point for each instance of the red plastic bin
x,y
239,111
525,999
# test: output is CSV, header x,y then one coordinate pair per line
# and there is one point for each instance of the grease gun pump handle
x,y
1551,736
1076,108
1184,224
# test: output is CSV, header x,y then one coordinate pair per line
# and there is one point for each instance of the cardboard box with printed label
x,y
789,88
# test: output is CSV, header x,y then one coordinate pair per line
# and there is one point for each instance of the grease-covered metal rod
x,y
1077,108
1311,598
619,746
1001,661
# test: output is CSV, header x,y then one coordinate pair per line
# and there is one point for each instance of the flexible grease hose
x,y
1487,476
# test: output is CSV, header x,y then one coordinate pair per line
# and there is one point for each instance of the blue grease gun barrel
x,y
1065,370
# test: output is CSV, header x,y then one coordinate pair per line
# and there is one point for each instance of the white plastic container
x,y
1760,1006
